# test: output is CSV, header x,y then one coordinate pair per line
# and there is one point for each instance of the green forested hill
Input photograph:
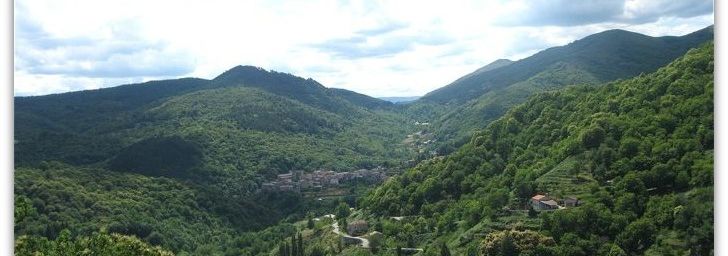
x,y
608,55
205,145
638,152
92,126
471,102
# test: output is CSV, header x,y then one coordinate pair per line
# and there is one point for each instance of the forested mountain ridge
x,y
638,153
307,91
83,127
210,142
607,55
471,102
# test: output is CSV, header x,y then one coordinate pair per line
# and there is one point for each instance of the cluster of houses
x,y
296,181
544,202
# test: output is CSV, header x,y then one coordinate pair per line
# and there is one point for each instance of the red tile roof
x,y
538,197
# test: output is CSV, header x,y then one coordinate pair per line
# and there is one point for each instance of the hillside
x,y
638,153
211,142
91,127
608,55
471,102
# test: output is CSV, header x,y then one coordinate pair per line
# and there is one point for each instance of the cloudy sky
x,y
386,48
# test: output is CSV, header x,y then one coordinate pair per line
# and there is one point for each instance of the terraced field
x,y
568,178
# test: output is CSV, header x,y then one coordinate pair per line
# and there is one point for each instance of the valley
x,y
603,146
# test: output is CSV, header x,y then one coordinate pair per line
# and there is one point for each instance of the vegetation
x,y
467,105
202,149
175,167
644,148
97,244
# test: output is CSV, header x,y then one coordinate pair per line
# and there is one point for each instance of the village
x,y
298,180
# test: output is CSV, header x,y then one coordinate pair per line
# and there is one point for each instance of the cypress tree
x,y
294,249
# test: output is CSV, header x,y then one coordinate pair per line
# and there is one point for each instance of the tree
x,y
616,251
282,249
637,237
507,241
339,245
310,224
342,210
531,212
375,241
592,137
507,246
342,225
444,251
317,251
23,208
294,246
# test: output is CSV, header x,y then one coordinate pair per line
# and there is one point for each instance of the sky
x,y
378,48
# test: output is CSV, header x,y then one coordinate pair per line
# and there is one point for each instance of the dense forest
x,y
638,152
473,101
621,123
179,163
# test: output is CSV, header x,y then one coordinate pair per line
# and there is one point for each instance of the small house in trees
x,y
571,201
542,202
357,227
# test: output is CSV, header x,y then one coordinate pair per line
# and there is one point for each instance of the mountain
x,y
85,127
637,154
361,99
609,55
400,100
158,159
471,102
499,63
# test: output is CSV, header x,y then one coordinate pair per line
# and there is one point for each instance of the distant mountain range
x,y
400,100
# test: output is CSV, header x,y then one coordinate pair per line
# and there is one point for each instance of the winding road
x,y
364,242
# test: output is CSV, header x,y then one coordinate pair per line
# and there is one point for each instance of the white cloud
x,y
392,48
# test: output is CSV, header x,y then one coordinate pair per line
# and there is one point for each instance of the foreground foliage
x,y
97,244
